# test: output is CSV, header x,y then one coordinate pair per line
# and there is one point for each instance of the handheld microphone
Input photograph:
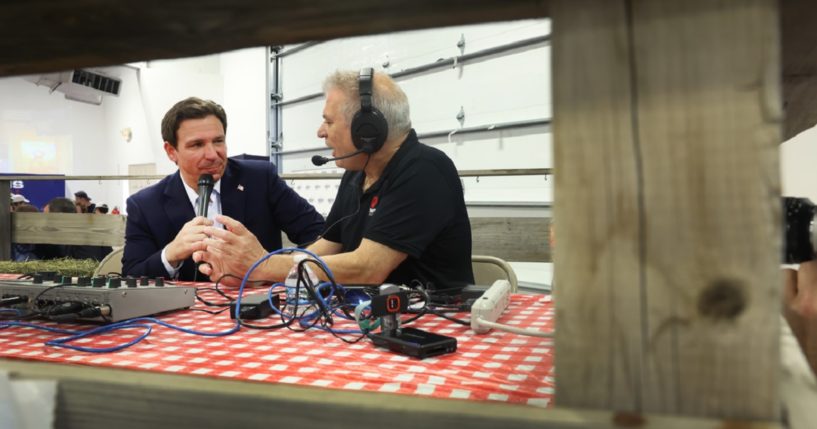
x,y
205,188
318,160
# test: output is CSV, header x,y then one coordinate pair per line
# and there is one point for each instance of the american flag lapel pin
x,y
241,188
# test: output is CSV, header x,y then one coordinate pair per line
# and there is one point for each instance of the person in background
x,y
22,252
399,215
115,210
83,201
17,200
800,307
162,229
101,209
56,251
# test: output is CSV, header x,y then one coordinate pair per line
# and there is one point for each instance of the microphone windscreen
x,y
205,187
318,160
206,180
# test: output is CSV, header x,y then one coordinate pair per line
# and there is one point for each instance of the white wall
x,y
89,137
508,87
798,157
244,75
70,135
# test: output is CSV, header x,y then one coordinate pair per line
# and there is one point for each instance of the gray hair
x,y
387,97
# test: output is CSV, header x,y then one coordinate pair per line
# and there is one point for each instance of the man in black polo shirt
x,y
399,216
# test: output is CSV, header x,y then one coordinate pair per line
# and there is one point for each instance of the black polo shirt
x,y
416,207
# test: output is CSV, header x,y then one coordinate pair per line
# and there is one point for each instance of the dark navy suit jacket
x,y
251,192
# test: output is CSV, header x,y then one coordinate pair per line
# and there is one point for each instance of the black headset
x,y
369,126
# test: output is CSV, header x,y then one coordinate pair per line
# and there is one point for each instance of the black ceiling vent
x,y
96,81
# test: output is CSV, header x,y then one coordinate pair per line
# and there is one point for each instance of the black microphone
x,y
205,188
320,160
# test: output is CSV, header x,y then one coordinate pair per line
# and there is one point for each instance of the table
x,y
496,366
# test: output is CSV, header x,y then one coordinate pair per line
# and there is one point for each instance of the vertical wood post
x,y
666,123
5,220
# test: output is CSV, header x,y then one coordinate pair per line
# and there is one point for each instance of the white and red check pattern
x,y
496,366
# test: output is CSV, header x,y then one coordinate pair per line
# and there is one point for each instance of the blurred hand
x,y
228,251
800,308
188,240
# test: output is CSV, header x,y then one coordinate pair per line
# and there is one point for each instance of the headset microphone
x,y
320,160
205,189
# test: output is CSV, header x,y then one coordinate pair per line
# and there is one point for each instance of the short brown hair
x,y
61,205
190,108
26,208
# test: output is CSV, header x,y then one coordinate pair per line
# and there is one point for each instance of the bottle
x,y
291,282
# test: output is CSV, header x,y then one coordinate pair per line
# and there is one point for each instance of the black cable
x,y
276,326
420,312
209,311
347,341
230,299
447,317
310,326
208,303
297,295
326,231
33,302
310,289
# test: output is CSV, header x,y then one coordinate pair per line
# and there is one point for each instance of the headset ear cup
x,y
369,130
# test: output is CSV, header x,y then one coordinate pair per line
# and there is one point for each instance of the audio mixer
x,y
113,299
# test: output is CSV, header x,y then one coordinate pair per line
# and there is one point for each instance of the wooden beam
x,y
41,35
511,238
5,220
68,228
666,121
798,388
799,65
517,239
134,399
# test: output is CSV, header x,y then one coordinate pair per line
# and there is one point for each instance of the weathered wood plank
x,y
518,239
511,238
137,399
68,228
666,119
42,35
5,220
799,65
595,185
798,388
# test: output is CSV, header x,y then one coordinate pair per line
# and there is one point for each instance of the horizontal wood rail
x,y
287,176
68,228
523,239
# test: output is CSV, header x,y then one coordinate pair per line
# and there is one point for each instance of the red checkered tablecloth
x,y
496,366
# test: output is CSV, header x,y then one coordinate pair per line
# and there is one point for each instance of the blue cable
x,y
134,323
16,312
61,342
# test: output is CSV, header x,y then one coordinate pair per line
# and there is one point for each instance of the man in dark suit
x,y
163,231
